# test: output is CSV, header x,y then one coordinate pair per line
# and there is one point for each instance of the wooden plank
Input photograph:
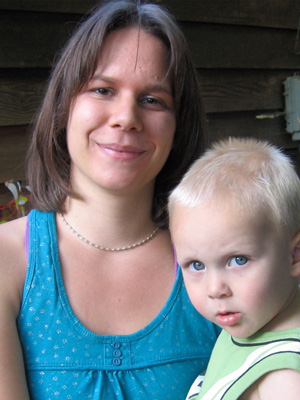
x,y
61,6
222,91
221,46
242,90
271,13
14,142
268,13
30,40
20,95
246,124
224,125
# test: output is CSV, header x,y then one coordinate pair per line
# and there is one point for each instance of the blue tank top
x,y
66,361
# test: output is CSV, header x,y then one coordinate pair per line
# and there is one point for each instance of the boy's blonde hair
x,y
254,175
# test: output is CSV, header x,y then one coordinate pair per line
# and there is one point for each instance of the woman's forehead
x,y
133,50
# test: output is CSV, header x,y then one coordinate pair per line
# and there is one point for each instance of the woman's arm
x,y
12,375
12,274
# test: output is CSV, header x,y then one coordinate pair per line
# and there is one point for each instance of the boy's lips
x,y
228,318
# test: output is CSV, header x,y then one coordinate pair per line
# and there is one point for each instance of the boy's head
x,y
234,220
252,174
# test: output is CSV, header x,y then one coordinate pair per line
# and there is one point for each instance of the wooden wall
x,y
243,50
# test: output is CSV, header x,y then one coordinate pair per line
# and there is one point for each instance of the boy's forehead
x,y
176,218
175,211
217,203
182,216
226,211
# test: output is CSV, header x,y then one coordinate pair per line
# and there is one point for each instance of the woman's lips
x,y
122,153
228,318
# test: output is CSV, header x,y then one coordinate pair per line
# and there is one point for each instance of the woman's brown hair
x,y
48,158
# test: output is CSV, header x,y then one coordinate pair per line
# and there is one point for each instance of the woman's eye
x,y
153,102
102,91
238,260
196,266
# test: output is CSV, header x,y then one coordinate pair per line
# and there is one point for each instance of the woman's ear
x,y
296,256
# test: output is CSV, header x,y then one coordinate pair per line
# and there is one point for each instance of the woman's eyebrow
x,y
155,87
99,77
159,88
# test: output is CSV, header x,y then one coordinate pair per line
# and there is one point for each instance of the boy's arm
x,y
276,385
12,274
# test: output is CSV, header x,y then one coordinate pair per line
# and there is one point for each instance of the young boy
x,y
235,223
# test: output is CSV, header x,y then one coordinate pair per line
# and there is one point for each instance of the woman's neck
x,y
111,221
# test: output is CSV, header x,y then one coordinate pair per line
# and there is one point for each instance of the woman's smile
x,y
121,153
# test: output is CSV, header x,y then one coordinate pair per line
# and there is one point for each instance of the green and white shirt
x,y
236,363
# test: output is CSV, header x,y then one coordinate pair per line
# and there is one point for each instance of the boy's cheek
x,y
194,291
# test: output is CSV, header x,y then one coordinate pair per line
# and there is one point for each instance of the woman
x,y
104,313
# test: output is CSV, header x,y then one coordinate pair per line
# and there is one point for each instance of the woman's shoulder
x,y
12,232
13,255
12,276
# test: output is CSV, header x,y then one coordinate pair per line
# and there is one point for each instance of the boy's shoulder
x,y
275,385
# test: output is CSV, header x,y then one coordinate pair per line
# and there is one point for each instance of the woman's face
x,y
122,124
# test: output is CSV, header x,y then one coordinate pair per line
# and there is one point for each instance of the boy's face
x,y
237,270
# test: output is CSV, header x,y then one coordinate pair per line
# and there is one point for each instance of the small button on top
x,y
117,353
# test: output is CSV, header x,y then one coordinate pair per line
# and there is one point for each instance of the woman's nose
x,y
125,115
217,286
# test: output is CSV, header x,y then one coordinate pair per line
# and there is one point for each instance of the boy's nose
x,y
217,286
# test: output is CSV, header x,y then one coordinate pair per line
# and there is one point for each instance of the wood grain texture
x,y
20,95
244,47
14,142
246,124
32,39
37,37
243,51
242,90
271,13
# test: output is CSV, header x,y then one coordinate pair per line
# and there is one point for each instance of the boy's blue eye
x,y
196,266
238,260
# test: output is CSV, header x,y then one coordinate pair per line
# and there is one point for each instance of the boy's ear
x,y
296,256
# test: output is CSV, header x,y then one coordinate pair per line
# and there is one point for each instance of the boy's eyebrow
x,y
155,87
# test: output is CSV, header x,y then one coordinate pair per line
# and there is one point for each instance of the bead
x,y
97,246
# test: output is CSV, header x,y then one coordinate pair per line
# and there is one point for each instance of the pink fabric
x,y
175,260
